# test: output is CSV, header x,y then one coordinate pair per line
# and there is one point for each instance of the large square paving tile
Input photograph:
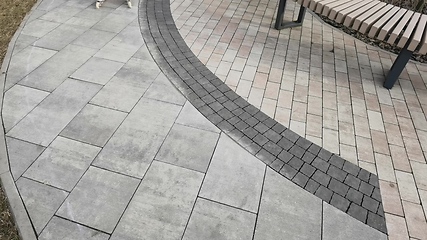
x,y
234,177
94,125
41,201
59,228
162,204
210,220
163,90
190,116
87,38
21,155
60,37
99,199
63,163
97,70
188,147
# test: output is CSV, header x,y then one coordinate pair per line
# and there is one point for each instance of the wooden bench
x,y
397,26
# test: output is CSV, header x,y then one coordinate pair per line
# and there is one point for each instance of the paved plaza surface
x,y
115,129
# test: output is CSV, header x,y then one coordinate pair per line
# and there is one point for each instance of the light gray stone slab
x,y
163,90
97,70
58,68
59,228
35,13
115,22
21,155
94,38
143,53
139,71
61,14
133,146
340,226
234,176
210,220
188,147
22,42
39,28
114,4
162,204
48,5
18,102
84,22
287,211
63,163
41,201
99,199
94,14
48,119
60,37
83,4
122,47
25,62
94,125
190,116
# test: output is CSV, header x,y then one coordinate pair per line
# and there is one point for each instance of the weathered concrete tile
x,y
22,42
423,196
94,38
375,121
59,228
41,201
391,198
420,174
190,116
417,225
61,14
188,147
94,125
407,188
63,163
162,204
83,22
115,22
97,70
163,90
47,120
287,210
396,227
25,62
48,5
21,155
134,145
138,71
210,220
18,102
227,177
60,37
53,72
99,199
338,225
94,14
39,28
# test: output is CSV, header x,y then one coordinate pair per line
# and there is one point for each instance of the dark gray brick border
x,y
336,181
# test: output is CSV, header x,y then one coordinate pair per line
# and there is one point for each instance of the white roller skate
x,y
129,3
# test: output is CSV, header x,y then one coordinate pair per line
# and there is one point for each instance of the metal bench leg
x,y
397,68
281,11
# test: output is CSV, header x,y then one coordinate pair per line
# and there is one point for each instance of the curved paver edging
x,y
333,179
19,213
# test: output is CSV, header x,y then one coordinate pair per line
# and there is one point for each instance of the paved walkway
x,y
103,144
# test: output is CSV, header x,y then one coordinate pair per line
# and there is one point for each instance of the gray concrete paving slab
x,y
227,177
21,155
49,5
115,22
60,37
22,42
18,102
162,204
189,116
39,28
84,22
41,201
94,14
61,14
54,72
87,38
141,72
94,125
287,211
163,90
99,199
211,220
80,3
63,163
59,228
188,147
337,226
97,70
48,119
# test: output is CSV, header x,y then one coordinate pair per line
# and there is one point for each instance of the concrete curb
x,y
17,208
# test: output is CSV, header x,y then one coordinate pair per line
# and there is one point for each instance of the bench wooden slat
x,y
367,23
388,27
319,5
380,24
374,10
397,31
423,48
349,19
328,7
334,11
418,34
409,30
343,14
306,3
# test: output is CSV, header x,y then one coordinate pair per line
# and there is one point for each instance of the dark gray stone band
x,y
336,181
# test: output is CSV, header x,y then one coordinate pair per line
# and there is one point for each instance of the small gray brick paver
x,y
336,173
99,199
94,125
338,187
324,193
281,212
63,163
357,212
41,201
161,205
97,70
226,178
339,226
47,120
210,220
189,116
59,228
161,89
340,202
188,147
21,155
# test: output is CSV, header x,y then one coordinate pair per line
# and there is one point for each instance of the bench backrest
x,y
378,20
